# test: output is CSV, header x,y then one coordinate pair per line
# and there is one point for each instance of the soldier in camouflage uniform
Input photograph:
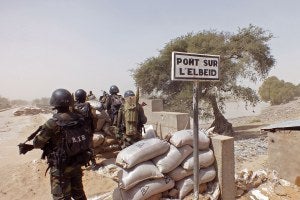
x,y
84,108
66,182
131,119
112,103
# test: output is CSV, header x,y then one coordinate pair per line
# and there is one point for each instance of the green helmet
x,y
61,98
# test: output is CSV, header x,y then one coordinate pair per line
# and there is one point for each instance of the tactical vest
x,y
74,142
116,102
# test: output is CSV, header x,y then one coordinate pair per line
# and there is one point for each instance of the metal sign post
x,y
195,142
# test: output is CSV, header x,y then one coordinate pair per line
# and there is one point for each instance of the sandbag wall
x,y
154,166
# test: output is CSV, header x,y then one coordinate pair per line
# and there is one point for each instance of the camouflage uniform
x,y
66,182
108,103
141,120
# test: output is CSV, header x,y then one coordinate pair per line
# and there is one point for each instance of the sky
x,y
93,44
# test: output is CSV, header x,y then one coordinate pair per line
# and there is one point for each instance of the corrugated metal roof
x,y
287,125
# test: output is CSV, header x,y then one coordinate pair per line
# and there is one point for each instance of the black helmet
x,y
61,98
129,93
113,89
80,95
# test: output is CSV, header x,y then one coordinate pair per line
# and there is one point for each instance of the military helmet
x,y
129,93
113,89
61,98
80,95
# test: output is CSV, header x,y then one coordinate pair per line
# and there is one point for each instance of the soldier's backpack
x,y
75,141
131,115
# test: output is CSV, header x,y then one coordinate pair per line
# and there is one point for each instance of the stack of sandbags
x,y
140,178
183,174
154,166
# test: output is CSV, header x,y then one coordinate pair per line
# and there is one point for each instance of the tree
x,y
245,56
277,91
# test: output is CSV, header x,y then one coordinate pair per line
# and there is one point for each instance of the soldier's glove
x,y
24,148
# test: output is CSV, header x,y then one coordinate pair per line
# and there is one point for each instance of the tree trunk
x,y
222,126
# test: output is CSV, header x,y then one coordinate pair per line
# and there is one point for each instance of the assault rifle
x,y
23,147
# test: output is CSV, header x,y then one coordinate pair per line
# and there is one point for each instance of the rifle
x,y
23,147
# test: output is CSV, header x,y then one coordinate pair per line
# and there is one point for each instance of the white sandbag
x,y
147,189
186,185
98,139
137,174
149,132
179,173
170,160
206,158
141,151
186,137
95,104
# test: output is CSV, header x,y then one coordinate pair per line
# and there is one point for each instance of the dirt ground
x,y
23,176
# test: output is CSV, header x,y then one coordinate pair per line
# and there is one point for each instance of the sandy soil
x,y
23,176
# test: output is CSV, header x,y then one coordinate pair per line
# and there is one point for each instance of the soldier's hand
x,y
24,148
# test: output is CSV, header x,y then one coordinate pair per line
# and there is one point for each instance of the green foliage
x,y
277,91
244,56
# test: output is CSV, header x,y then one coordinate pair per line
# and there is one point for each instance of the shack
x,y
284,149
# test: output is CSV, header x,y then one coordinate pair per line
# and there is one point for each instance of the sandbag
x,y
149,132
186,137
137,174
147,189
155,197
141,151
186,185
98,139
95,104
170,160
179,173
206,158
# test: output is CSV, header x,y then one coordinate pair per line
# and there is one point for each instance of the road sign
x,y
194,67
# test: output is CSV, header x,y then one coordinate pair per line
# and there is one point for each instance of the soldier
x,y
91,96
65,140
131,119
84,108
112,103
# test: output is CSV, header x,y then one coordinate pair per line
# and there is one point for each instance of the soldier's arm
x,y
48,130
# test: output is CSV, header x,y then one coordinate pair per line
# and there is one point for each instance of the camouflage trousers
x,y
130,139
67,184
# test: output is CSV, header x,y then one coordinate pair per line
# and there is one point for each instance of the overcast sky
x,y
92,44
